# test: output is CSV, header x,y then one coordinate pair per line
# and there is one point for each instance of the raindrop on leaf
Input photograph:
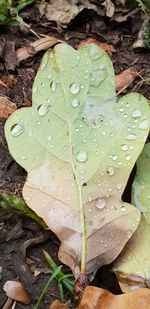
x,y
81,156
17,129
74,88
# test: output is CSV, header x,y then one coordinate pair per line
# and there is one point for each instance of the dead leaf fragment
x,y
96,298
15,290
62,12
40,44
110,8
125,78
6,107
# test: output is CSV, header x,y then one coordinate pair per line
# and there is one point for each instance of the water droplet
x,y
124,147
49,137
53,86
128,157
125,115
81,156
131,137
74,88
123,208
105,245
43,109
114,157
136,113
23,158
144,124
110,170
76,130
30,133
75,103
119,186
42,84
121,109
17,129
100,203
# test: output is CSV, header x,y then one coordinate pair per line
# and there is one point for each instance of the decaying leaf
x,y
125,78
41,44
79,146
133,265
6,107
15,290
62,12
110,8
95,298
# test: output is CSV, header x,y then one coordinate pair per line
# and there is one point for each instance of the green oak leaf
x,y
141,184
79,145
133,264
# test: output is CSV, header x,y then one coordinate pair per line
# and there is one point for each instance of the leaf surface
x,y
96,298
133,265
79,145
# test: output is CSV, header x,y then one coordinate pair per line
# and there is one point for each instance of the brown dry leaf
x,y
40,44
95,298
15,290
125,78
110,8
109,48
6,107
62,12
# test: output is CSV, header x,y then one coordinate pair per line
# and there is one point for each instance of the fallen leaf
x,y
132,267
110,8
6,107
78,151
96,298
109,48
125,78
15,290
24,53
62,12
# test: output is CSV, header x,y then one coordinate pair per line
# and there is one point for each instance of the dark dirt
x,y
14,265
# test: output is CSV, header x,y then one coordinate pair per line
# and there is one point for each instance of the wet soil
x,y
15,230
